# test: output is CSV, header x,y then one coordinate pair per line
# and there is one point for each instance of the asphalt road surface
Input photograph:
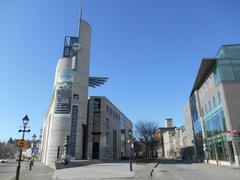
x,y
7,170
171,170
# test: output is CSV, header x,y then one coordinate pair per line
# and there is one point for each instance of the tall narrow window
x,y
205,109
107,124
97,103
209,104
219,98
214,102
73,130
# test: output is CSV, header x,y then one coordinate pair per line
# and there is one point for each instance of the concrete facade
x,y
70,96
107,130
172,143
188,127
73,127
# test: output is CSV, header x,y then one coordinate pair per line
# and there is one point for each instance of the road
x,y
170,170
7,170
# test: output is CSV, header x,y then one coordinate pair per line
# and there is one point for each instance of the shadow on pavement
x,y
172,161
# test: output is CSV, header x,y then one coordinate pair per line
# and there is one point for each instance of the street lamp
x,y
25,123
33,147
131,147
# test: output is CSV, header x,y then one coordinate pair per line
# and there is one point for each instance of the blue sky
x,y
150,49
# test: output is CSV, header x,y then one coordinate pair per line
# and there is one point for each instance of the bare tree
x,y
7,149
145,131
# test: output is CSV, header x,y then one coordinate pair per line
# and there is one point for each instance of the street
x,y
170,170
7,170
166,170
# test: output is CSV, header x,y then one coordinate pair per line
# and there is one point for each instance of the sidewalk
x,y
119,170
38,172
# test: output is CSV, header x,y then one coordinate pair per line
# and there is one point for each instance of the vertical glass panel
x,y
217,78
219,98
214,102
212,151
236,72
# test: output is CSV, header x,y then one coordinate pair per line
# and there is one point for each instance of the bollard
x,y
30,165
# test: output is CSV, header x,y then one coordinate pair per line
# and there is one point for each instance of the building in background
x,y
168,123
107,130
159,134
172,143
214,106
187,151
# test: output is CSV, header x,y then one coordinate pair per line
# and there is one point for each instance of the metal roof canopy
x,y
203,72
97,81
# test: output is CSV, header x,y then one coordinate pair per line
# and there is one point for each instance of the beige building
x,y
172,143
159,134
107,130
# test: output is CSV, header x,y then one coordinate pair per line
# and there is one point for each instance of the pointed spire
x,y
81,11
80,19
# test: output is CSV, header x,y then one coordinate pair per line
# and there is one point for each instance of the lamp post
x,y
131,147
25,122
33,148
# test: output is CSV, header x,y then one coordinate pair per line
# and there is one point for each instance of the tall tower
x,y
67,113
168,123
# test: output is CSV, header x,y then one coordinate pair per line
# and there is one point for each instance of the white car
x,y
3,160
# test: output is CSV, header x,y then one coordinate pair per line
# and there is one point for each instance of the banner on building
x,y
64,92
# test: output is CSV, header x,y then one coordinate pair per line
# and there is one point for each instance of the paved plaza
x,y
170,170
165,170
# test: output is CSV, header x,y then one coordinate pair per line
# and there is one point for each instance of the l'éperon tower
x,y
67,113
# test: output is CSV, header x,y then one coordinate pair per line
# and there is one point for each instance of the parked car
x,y
179,159
3,160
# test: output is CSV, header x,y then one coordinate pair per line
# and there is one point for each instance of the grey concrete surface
x,y
7,170
38,172
170,170
114,171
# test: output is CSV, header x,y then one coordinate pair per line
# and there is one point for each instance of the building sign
x,y
64,93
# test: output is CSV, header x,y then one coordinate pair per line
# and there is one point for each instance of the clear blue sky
x,y
150,49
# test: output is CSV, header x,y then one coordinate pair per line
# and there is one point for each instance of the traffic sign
x,y
21,144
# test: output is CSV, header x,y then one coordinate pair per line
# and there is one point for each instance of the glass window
x,y
97,103
226,72
219,97
107,108
209,104
212,151
217,78
75,96
214,102
107,124
236,72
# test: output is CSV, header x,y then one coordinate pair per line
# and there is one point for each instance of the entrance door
x,y
231,152
95,153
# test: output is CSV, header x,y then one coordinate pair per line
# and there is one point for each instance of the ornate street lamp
x,y
25,123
